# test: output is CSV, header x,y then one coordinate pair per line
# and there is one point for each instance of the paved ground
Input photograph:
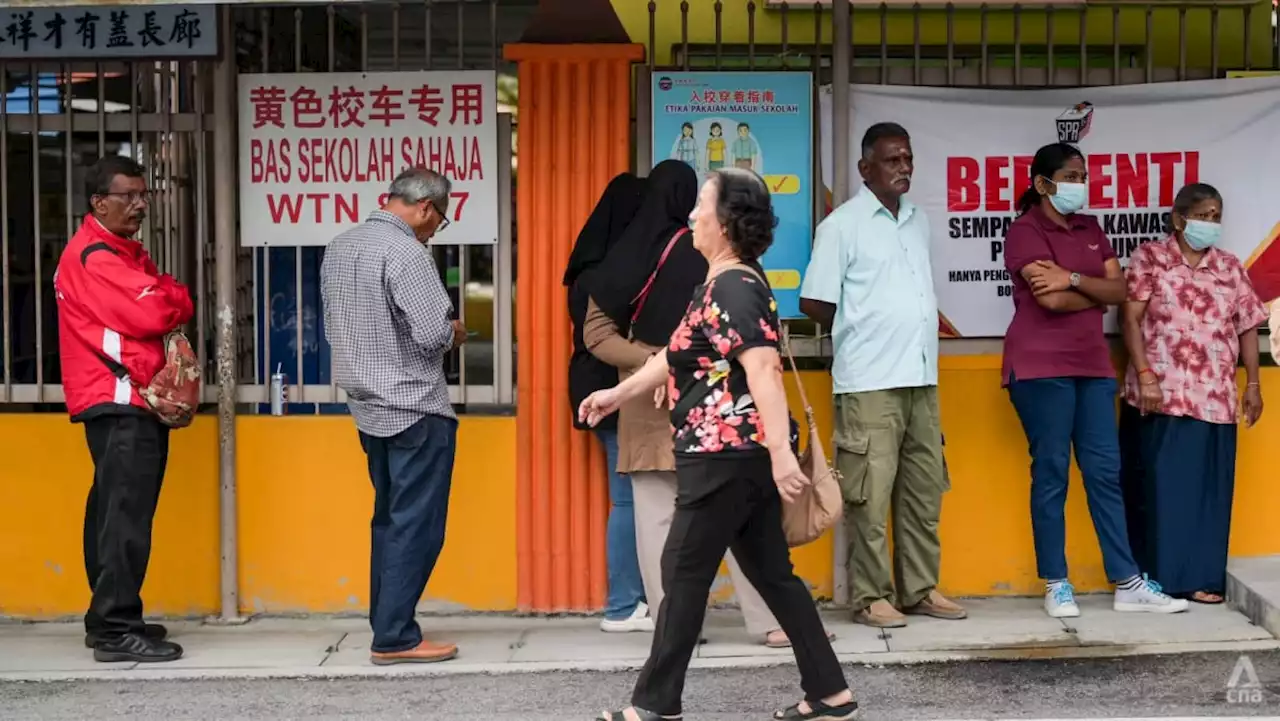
x,y
1189,685
340,647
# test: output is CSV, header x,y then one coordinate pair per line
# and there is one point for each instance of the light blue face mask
x,y
1201,234
1068,198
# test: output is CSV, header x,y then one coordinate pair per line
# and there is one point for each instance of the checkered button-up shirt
x,y
386,316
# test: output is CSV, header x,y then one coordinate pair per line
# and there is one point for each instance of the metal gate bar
x,y
158,112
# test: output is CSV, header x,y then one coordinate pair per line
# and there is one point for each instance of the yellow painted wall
x,y
305,502
45,474
634,15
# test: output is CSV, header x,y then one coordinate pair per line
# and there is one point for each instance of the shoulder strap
x,y
638,301
786,348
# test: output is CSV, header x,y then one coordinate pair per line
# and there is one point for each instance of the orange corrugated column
x,y
574,136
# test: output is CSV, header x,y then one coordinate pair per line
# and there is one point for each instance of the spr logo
x,y
664,83
1073,124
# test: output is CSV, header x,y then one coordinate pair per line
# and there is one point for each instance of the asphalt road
x,y
1148,687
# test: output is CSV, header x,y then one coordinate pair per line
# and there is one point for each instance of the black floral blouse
x,y
711,406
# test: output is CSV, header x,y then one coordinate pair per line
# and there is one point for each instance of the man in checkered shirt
x,y
387,319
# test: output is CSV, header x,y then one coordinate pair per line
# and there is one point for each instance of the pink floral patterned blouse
x,y
711,406
1192,327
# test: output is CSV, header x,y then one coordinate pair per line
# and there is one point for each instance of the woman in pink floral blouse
x,y
1190,316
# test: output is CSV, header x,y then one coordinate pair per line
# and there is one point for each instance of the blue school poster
x,y
757,120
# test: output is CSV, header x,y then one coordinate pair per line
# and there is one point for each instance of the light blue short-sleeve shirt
x,y
875,269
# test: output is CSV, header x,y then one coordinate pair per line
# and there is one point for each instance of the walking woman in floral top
x,y
1190,315
735,463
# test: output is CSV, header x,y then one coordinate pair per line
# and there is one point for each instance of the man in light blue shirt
x,y
870,281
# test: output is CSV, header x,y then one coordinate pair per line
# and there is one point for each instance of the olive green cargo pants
x,y
889,454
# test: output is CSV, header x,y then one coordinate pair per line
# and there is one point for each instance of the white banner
x,y
318,151
973,151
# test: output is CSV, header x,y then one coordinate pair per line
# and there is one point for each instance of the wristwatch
x,y
1075,280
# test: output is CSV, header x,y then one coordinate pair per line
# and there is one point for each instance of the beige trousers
x,y
655,506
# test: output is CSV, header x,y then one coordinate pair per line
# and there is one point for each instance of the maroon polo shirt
x,y
1041,343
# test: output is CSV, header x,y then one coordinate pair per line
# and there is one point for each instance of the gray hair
x,y
418,184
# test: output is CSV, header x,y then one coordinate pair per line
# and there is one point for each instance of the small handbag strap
x,y
638,301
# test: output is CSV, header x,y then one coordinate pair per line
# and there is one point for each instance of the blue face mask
x,y
1201,234
1068,197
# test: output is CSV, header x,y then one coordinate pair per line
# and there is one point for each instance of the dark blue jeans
x,y
411,473
625,588
1057,414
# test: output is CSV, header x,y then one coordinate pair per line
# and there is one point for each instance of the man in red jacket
x,y
114,309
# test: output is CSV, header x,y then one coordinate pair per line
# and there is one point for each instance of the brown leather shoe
x,y
880,614
938,606
426,652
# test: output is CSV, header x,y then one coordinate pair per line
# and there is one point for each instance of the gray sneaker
x,y
1147,598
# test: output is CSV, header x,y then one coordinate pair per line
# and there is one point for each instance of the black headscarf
x,y
615,209
668,200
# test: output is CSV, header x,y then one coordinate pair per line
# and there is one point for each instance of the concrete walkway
x,y
337,647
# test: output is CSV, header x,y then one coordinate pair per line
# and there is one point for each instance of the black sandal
x,y
640,714
819,711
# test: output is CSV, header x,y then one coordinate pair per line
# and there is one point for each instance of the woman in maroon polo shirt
x,y
1058,371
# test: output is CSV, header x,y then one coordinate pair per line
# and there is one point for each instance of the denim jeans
x,y
411,473
1057,414
626,589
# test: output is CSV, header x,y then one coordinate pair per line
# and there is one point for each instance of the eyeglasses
x,y
133,197
444,217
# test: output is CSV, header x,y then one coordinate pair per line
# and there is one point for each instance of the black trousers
x,y
729,502
129,453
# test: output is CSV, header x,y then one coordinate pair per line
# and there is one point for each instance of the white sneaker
x,y
1060,601
638,622
1148,598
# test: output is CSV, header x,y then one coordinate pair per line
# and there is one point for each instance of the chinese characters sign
x,y
318,151
757,121
109,31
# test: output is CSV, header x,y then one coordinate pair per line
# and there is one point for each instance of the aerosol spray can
x,y
279,391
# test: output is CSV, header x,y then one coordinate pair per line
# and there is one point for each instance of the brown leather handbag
x,y
820,505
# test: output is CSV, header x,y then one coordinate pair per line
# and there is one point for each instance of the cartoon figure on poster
x,y
746,151
718,152
687,147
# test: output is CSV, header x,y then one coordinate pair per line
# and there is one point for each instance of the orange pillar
x,y
574,136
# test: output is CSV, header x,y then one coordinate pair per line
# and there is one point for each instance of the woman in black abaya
x,y
624,600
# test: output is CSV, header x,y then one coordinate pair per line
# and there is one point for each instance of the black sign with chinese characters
x,y
108,31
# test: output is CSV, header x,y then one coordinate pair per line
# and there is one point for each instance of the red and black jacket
x,y
114,309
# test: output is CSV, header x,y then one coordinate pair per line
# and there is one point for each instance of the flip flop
x,y
1222,597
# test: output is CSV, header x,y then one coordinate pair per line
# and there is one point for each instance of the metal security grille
x,y
999,45
58,117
